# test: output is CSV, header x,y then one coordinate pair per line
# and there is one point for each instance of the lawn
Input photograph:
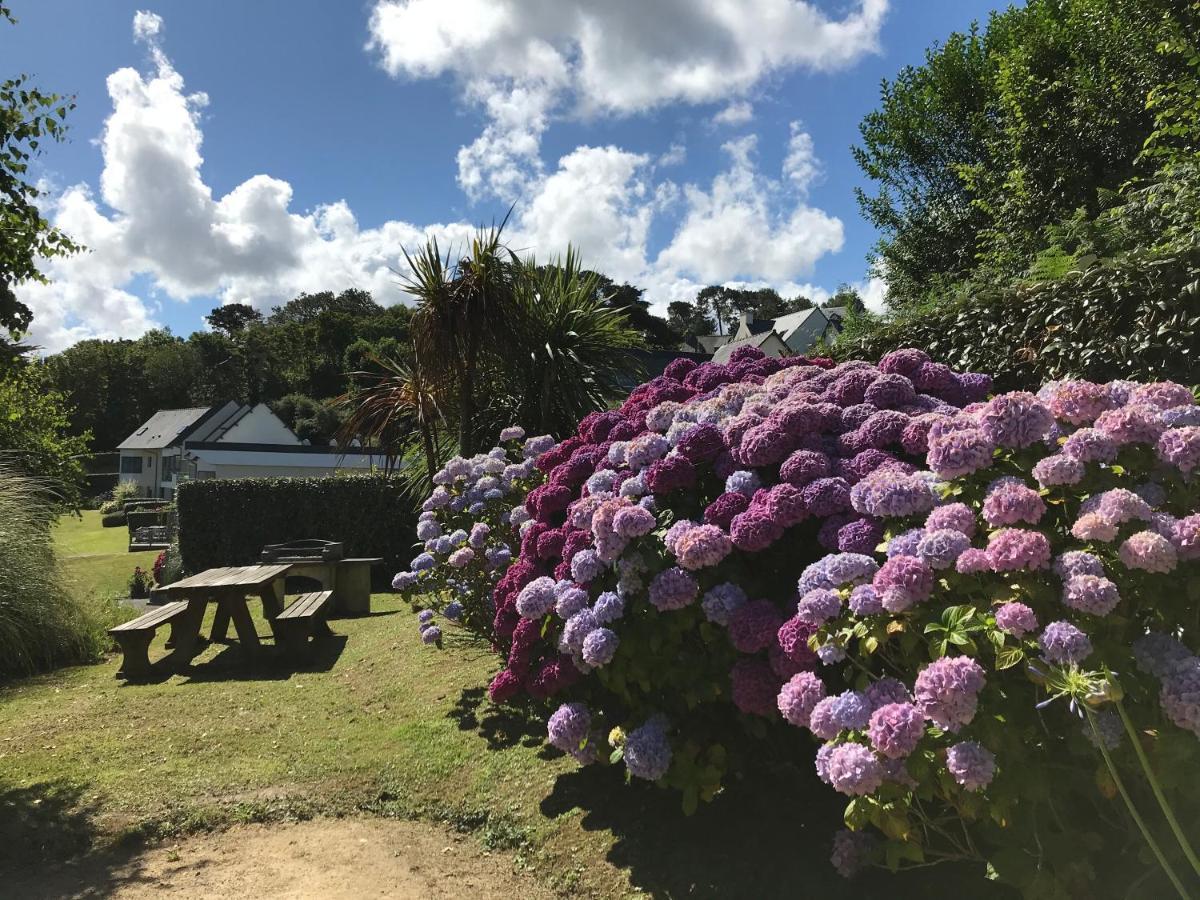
x,y
95,559
382,726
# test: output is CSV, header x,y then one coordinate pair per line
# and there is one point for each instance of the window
x,y
131,465
170,467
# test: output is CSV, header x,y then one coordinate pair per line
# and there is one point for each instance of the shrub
x,y
1032,636
470,532
114,519
1130,317
139,583
227,522
168,566
125,490
42,625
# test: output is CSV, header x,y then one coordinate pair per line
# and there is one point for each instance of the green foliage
x,y
114,519
227,523
35,432
723,304
233,318
41,624
124,490
312,420
1134,317
1002,135
28,117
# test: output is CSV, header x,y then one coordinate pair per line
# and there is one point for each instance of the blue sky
x,y
675,145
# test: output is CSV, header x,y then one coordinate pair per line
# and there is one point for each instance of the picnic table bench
x,y
304,618
134,637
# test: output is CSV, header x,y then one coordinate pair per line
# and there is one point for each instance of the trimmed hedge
x,y
227,522
1133,317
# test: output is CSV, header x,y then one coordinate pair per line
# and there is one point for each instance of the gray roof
x,y
164,428
836,312
757,340
708,343
785,325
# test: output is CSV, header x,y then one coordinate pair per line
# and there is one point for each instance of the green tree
x,y
35,432
28,117
232,318
688,319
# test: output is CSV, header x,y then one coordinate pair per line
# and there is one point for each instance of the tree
x,y
27,118
688,319
626,298
848,297
308,307
36,435
232,318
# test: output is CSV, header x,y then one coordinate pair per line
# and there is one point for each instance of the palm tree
x,y
459,307
571,351
391,406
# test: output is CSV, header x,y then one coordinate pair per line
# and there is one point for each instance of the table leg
x,y
272,601
242,623
220,625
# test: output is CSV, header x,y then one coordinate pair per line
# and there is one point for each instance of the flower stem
x,y
1158,792
1137,817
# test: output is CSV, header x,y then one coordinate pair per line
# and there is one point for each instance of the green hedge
x,y
227,522
1134,317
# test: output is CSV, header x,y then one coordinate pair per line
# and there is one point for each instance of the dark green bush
x,y
113,519
1132,317
227,523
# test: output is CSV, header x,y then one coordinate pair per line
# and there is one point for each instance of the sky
x,y
246,152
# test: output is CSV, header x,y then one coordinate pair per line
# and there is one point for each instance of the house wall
x,y
260,426
146,480
808,333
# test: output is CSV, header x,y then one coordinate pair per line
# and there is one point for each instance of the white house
x,y
230,441
800,331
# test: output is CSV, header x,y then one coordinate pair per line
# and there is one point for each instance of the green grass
x,y
95,560
381,725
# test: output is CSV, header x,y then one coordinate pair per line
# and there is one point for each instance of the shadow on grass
x,y
232,664
766,836
502,727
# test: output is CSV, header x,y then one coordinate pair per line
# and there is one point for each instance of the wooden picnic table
x,y
229,587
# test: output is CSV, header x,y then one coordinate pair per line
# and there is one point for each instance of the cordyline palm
x,y
393,404
571,350
459,307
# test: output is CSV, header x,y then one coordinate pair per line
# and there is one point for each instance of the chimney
x,y
746,318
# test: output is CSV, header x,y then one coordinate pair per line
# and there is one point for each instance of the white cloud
x,y
873,291
156,221
738,113
618,57
675,155
146,25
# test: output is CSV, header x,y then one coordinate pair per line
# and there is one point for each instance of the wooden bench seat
x,y
304,618
134,637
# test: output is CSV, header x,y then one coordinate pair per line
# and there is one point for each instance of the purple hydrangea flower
x,y
1180,447
1015,549
1011,502
1134,424
956,516
1162,395
576,630
1018,419
431,634
827,496
849,568
648,751
959,453
854,770
600,646
425,615
1119,506
947,691
1079,402
1058,469
972,561
673,588
798,696
423,562
404,580
905,543
906,579
1077,562
1180,695
512,433
721,602
1016,619
972,765
608,608
1158,654
864,601
886,690
1092,594
890,493
586,565
852,850
569,726
895,729
536,598
1090,445
818,606
1064,644
939,549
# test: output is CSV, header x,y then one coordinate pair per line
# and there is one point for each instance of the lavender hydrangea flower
x,y
1058,470
905,543
1133,424
1018,419
536,598
940,548
865,601
1158,654
569,726
1064,644
425,615
798,697
608,608
404,580
1016,549
818,606
1092,594
854,770
569,599
1016,619
849,568
722,601
576,630
742,482
947,691
903,581
1149,552
886,690
959,453
972,561
431,634
1180,694
1090,445
889,493
423,562
1180,447
1011,502
972,765
672,588
600,646
955,516
461,557
647,750
1079,402
895,729
586,565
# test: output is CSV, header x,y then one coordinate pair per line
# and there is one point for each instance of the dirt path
x,y
327,859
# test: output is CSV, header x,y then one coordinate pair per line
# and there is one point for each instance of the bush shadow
x,y
502,727
766,836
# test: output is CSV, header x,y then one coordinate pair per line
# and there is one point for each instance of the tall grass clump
x,y
41,624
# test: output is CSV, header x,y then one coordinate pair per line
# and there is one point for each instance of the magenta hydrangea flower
x,y
798,697
1180,447
818,606
906,362
1018,419
947,691
907,576
672,588
895,729
958,453
955,516
827,496
1011,502
854,770
754,530
1058,470
722,510
1149,552
1091,594
755,687
1064,644
804,466
972,765
754,625
1015,549
569,726
1016,619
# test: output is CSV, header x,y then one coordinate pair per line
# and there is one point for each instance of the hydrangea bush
x,y
1022,686
654,584
469,534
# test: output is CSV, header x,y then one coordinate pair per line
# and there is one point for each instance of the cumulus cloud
x,y
618,57
156,228
738,113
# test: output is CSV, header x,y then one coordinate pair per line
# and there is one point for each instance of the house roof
x,y
757,340
760,326
787,325
706,343
164,428
836,312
